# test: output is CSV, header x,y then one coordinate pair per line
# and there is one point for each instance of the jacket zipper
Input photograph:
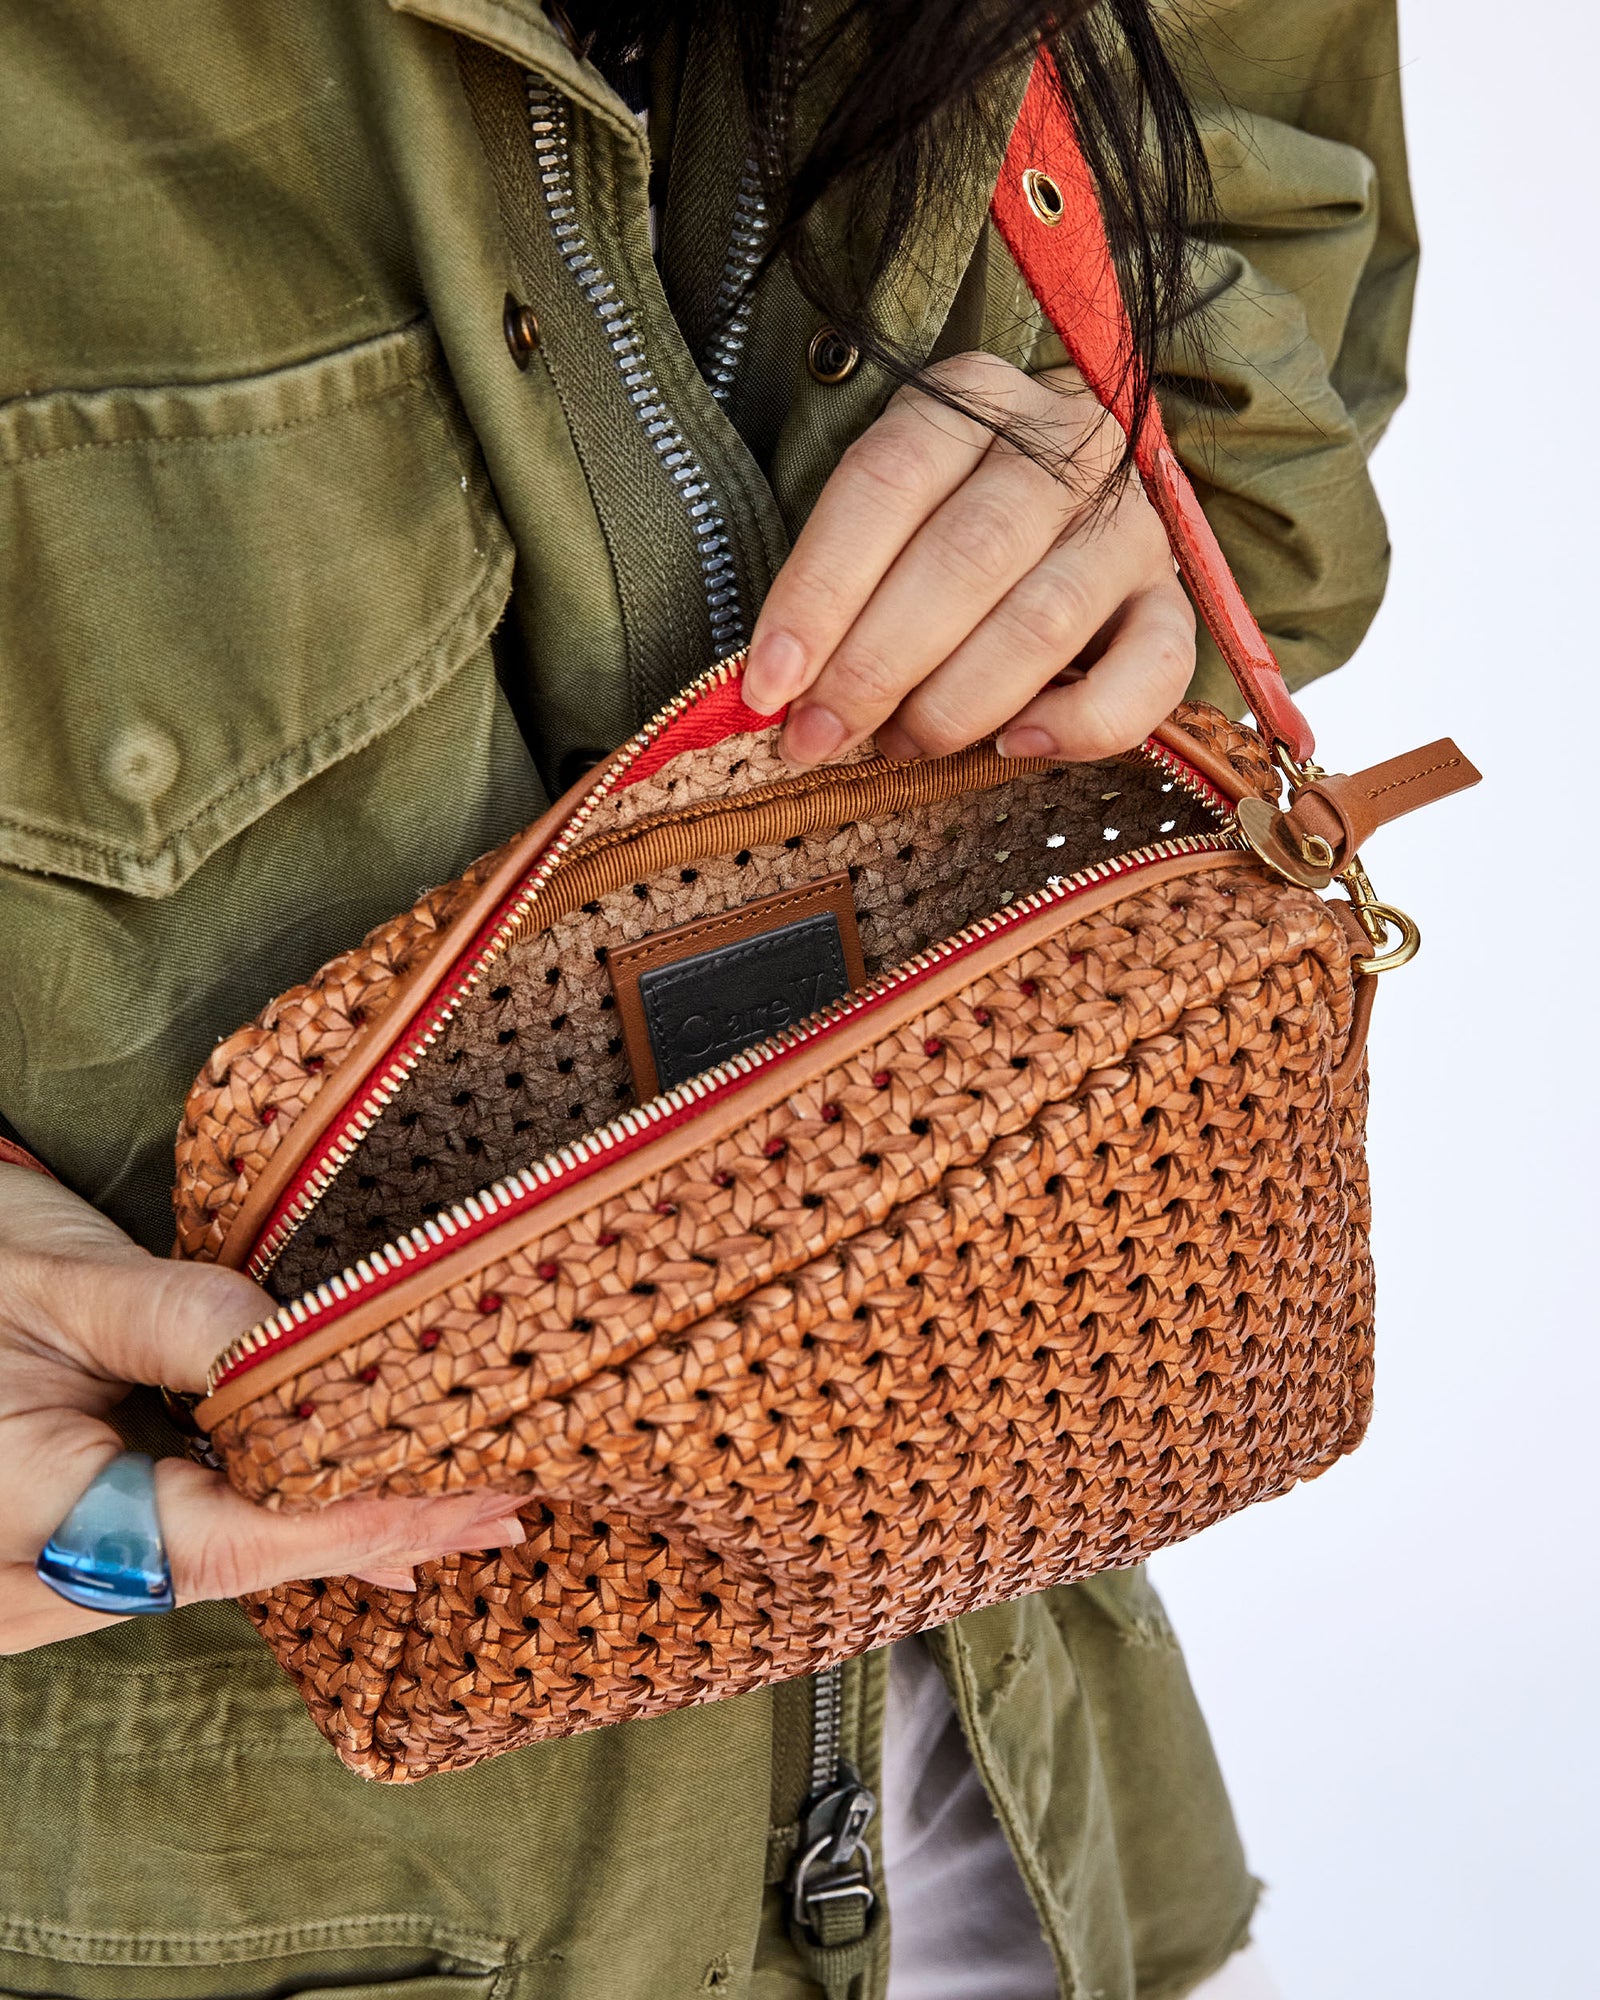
x,y
547,117
747,241
827,1729
831,1891
748,230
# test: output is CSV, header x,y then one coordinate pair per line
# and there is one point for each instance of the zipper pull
x,y
1320,833
831,1893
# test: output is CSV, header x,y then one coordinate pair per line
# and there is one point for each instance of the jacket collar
x,y
522,30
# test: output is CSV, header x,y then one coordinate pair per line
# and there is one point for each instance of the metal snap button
x,y
140,763
830,357
521,330
1044,196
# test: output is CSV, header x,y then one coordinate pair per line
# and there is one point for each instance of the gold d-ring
x,y
1044,196
1395,920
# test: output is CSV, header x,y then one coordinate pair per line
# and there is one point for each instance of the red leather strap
x,y
1067,263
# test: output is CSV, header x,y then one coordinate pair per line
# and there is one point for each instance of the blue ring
x,y
108,1554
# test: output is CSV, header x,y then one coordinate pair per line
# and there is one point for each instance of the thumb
x,y
134,1317
73,1283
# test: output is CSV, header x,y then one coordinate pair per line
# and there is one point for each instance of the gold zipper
x,y
468,1217
398,1069
377,1098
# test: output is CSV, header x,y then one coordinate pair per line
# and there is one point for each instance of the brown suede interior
x,y
533,1059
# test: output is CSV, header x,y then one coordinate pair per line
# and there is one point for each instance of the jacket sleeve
x,y
1281,381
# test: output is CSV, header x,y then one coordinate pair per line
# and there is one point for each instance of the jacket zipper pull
x,y
831,1892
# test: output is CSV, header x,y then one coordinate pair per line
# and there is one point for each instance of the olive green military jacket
x,y
316,585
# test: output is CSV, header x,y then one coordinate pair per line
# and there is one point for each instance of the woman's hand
x,y
84,1313
946,586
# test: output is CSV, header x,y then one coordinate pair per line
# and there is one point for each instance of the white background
x,y
1399,1661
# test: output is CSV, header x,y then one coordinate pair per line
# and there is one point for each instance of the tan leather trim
x,y
1346,810
766,815
829,896
1211,764
1348,1068
767,1086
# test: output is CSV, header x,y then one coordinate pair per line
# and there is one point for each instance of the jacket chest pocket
x,y
248,707
216,592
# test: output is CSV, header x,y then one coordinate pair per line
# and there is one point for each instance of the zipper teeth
x,y
827,1728
548,120
438,1231
401,1066
1190,783
734,302
748,231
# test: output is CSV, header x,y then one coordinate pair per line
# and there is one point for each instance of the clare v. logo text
x,y
710,1032
704,1009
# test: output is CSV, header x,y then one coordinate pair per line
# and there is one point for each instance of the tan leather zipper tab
x,y
1329,819
1341,813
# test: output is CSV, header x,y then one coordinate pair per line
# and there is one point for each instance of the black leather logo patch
x,y
701,1010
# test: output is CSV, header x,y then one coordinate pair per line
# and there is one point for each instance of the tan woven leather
x,y
1049,1258
257,1084
1103,1281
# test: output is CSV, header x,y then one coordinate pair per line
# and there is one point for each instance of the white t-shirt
x,y
964,1927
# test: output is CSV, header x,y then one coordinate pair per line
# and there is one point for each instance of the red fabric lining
x,y
719,713
13,1155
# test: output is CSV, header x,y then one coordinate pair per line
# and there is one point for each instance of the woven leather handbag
x,y
833,1201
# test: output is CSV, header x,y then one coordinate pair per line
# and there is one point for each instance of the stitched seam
x,y
162,438
31,1939
187,1671
168,1754
462,455
1416,777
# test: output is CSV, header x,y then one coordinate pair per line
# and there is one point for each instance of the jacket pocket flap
x,y
214,593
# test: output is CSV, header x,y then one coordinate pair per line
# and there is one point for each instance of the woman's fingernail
x,y
811,734
493,1526
387,1578
893,743
775,671
1027,742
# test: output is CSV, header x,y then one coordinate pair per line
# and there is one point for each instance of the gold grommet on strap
x,y
1316,852
830,357
1044,196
